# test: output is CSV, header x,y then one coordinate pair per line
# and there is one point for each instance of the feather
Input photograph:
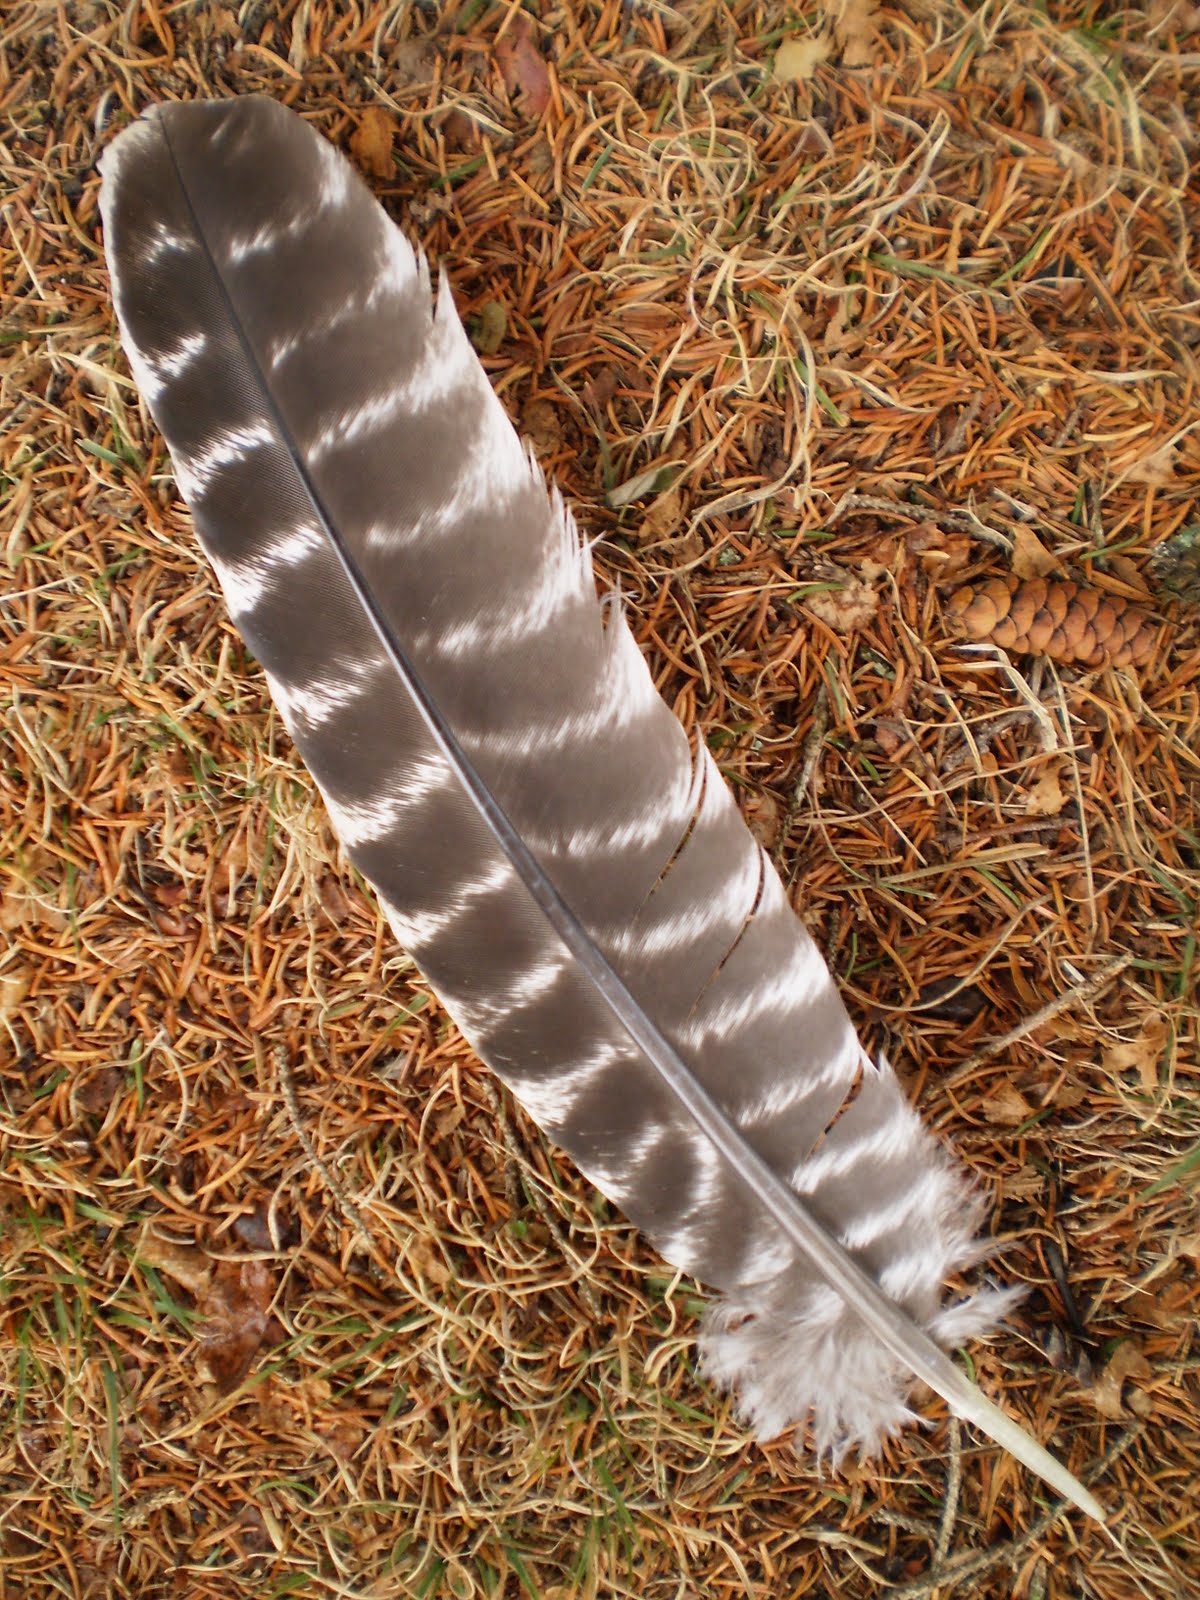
x,y
577,887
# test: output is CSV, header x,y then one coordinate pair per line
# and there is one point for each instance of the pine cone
x,y
1054,617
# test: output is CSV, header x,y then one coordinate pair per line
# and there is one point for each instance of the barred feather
x,y
579,889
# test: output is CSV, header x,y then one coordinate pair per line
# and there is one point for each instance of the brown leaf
x,y
344,1436
1166,1310
1109,1395
1046,798
1176,15
98,1091
540,425
1007,1107
764,816
236,1310
942,555
182,1263
426,1262
855,31
892,735
1030,558
414,61
22,907
460,130
662,516
333,898
521,64
253,1228
600,388
797,59
1141,1054
371,142
845,609
1157,468
14,986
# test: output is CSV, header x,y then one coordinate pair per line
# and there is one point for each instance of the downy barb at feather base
x,y
579,889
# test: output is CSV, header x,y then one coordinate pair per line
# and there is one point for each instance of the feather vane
x,y
578,888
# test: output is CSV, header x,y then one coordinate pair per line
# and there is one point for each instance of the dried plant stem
x,y
1079,994
287,1083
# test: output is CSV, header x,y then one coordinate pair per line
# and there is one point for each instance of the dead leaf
x,y
254,1228
662,515
333,899
841,334
814,141
371,142
540,425
1046,798
182,1263
1175,15
236,1311
599,389
98,1090
249,1533
1069,1095
14,986
892,735
345,1436
764,817
942,555
1141,1054
414,61
845,609
1157,468
797,60
490,328
1168,1310
1030,558
287,1403
870,569
1130,574
1022,1185
855,31
521,65
426,1262
460,130
233,1300
635,488
1126,1365
21,907
1007,1107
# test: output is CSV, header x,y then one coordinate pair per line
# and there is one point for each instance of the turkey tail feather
x,y
578,889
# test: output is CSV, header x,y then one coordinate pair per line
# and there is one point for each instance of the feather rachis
x,y
516,882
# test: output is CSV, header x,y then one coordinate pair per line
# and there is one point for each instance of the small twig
x,y
1077,785
810,756
350,1212
1079,994
898,1519
981,1561
958,437
956,521
945,1533
1068,427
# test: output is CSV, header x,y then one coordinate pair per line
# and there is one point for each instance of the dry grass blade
x,y
868,334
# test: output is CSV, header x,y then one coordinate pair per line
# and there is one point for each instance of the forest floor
x,y
819,318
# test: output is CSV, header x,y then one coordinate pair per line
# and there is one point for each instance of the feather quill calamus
x,y
575,884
